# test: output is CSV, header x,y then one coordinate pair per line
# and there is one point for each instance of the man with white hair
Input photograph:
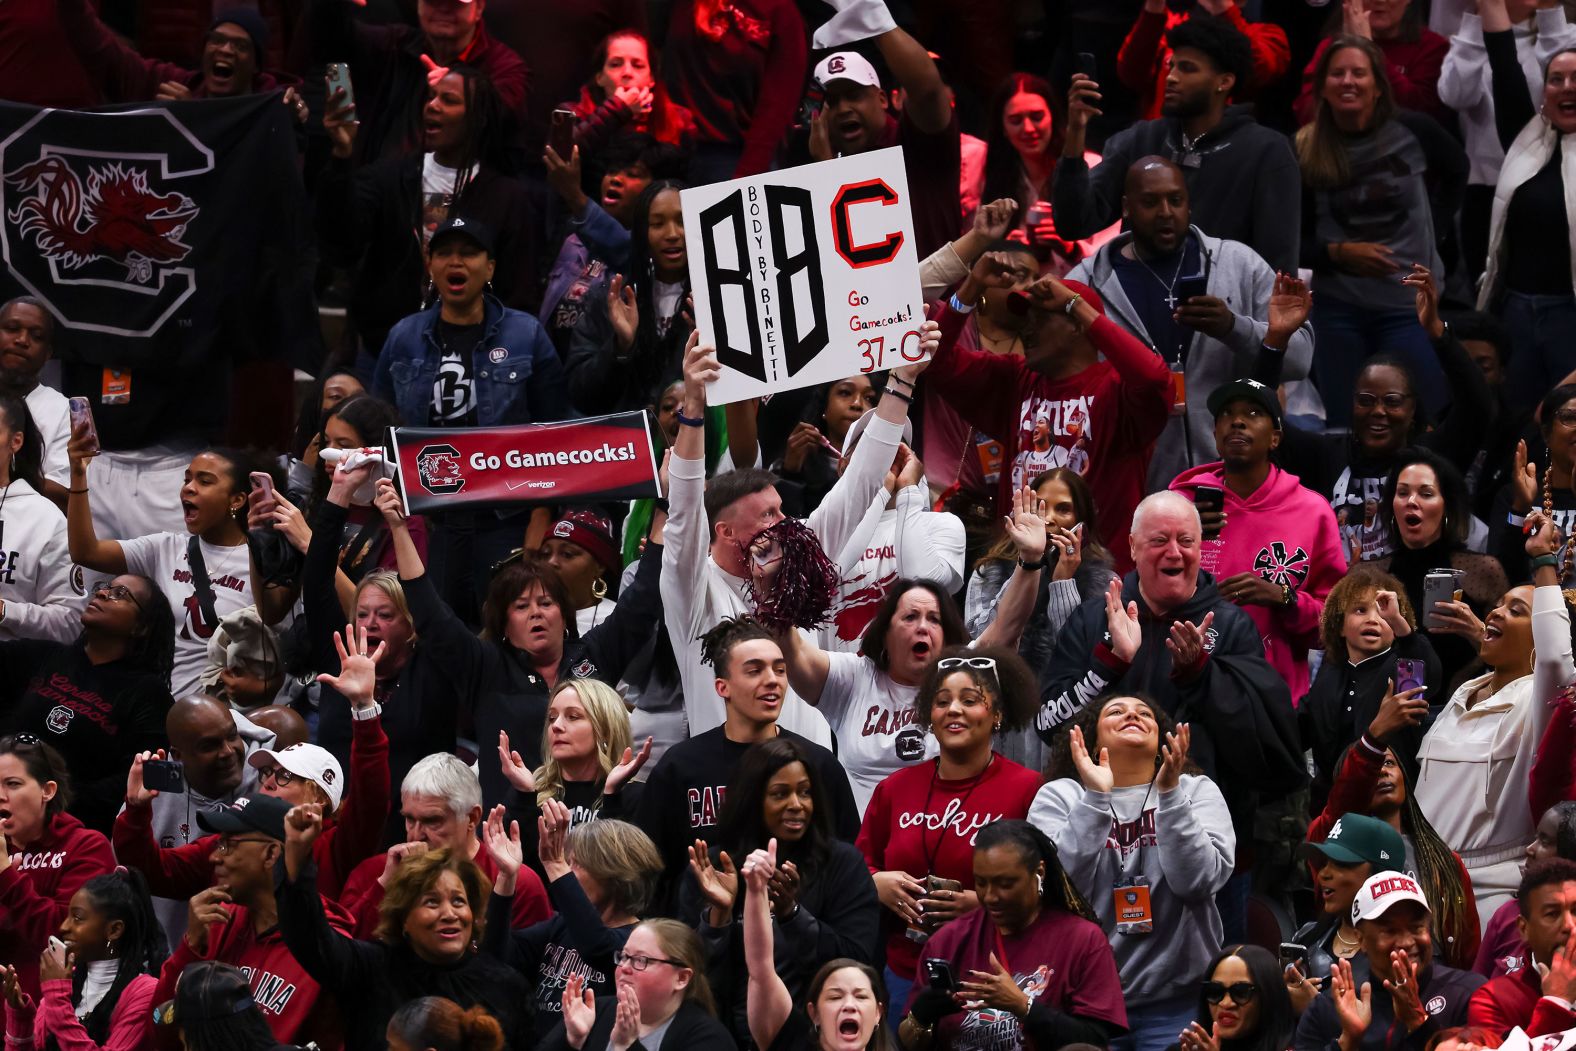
x,y
1165,632
441,802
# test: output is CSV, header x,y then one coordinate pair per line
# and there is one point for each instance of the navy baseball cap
x,y
459,226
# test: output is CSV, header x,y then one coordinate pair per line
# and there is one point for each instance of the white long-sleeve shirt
x,y
1475,762
697,592
1467,86
43,592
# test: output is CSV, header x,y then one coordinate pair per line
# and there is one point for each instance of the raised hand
x,y
435,72
1523,481
719,883
136,794
339,120
820,144
1397,711
386,498
1543,536
1404,993
700,369
623,311
1426,297
514,769
929,343
1354,19
552,829
784,888
628,766
397,855
1026,525
1290,305
1083,104
56,962
503,843
1096,775
1187,641
357,680
1126,635
14,996
992,218
579,1011
626,1019
287,520
1353,1006
1196,1038
1173,756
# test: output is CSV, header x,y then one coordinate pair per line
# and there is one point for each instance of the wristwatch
x,y
1288,596
371,711
1032,566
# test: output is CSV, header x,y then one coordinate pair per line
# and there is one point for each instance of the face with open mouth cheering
x,y
1559,92
1383,409
1164,545
1507,631
460,269
1364,630
443,117
229,60
1419,506
846,1010
212,493
756,680
536,624
24,798
1127,723
914,636
384,621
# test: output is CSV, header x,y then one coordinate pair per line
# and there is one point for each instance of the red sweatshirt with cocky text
x,y
1285,533
284,992
1101,422
36,889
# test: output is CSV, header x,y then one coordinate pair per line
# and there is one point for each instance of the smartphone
x,y
938,973
82,413
1088,66
264,481
935,883
1439,585
562,137
338,79
56,943
164,775
1292,953
1209,498
1188,287
1408,673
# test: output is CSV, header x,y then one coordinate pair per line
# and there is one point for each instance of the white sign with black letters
x,y
806,275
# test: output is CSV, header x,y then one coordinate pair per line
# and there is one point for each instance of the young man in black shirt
x,y
685,793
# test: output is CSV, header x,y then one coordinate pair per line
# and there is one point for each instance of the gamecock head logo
x,y
99,209
438,469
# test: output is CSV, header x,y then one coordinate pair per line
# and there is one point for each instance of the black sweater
x,y
574,941
99,716
371,980
691,1029
1345,698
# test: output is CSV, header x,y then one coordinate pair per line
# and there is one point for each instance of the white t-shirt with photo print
x,y
161,558
873,719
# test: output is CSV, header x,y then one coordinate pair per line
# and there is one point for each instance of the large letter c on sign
x,y
843,235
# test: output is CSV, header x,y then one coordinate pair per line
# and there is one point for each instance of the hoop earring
x,y
599,589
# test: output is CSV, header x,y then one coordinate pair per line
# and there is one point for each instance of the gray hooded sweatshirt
x,y
1181,841
1236,274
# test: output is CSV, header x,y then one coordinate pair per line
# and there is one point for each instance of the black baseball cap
x,y
1260,394
459,226
206,991
253,813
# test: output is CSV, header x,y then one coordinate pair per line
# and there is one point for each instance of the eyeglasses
x,y
227,845
986,663
116,593
640,963
1367,400
1240,992
281,776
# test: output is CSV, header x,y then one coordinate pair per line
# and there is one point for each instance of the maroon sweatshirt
x,y
1413,67
36,889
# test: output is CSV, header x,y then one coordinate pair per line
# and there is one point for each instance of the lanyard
x,y
925,848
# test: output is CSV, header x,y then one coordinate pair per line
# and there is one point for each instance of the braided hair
x,y
120,895
1034,847
716,645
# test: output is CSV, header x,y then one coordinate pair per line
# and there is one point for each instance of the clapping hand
x,y
1095,774
514,769
503,843
1122,624
1173,756
1187,641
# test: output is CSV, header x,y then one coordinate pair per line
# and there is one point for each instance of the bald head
x,y
286,723
1155,206
204,737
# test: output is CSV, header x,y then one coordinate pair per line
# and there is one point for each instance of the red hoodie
x,y
284,992
1285,533
36,888
1412,65
1517,1000
1102,422
353,833
363,894
1145,58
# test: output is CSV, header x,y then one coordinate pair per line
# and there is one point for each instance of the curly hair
x,y
1013,690
716,645
419,874
1060,765
1362,583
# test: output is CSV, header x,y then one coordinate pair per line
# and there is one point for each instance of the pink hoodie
x,y
1287,534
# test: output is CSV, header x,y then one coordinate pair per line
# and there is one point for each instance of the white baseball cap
x,y
1383,890
316,764
847,65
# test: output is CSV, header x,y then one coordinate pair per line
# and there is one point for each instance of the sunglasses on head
x,y
1240,992
967,662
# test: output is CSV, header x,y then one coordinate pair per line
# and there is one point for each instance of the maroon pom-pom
x,y
805,586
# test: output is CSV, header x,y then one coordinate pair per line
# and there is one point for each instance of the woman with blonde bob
x,y
588,761
430,923
661,981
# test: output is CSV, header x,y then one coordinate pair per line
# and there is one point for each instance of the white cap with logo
x,y
847,65
1381,891
309,761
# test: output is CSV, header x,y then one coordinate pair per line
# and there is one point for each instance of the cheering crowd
x,y
1179,655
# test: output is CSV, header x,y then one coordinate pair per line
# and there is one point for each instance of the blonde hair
x,y
609,722
679,942
621,857
387,581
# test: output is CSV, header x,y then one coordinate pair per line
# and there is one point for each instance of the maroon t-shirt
x,y
1062,961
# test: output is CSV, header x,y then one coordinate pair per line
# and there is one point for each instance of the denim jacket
x,y
518,376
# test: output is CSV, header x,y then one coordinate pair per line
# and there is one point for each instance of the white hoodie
x,y
43,592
